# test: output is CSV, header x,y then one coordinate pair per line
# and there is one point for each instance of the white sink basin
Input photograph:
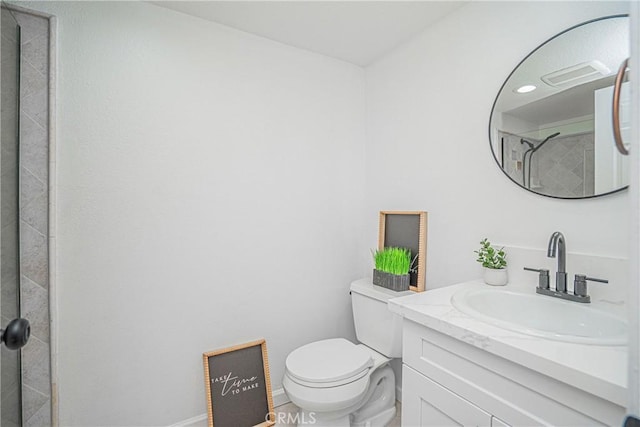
x,y
542,316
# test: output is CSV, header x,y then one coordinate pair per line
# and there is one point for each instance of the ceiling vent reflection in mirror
x,y
585,72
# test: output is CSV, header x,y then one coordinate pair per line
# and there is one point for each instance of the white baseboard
x,y
200,420
279,398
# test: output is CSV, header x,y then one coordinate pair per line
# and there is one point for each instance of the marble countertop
x,y
599,370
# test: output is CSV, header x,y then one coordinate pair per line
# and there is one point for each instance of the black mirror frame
x,y
622,15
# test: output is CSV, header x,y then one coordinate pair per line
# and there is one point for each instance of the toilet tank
x,y
376,326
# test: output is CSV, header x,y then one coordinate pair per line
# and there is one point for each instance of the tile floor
x,y
290,408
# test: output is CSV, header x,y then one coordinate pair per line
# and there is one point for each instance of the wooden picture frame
x,y
407,229
238,386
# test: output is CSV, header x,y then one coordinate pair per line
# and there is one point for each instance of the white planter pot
x,y
495,277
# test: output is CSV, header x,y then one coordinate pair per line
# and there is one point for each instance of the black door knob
x,y
16,334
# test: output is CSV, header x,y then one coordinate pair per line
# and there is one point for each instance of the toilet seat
x,y
337,358
328,363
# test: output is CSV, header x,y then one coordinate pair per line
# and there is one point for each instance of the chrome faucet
x,y
557,248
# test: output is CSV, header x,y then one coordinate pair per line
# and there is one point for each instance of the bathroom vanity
x,y
458,369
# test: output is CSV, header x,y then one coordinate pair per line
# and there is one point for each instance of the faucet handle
x,y
543,276
583,277
580,284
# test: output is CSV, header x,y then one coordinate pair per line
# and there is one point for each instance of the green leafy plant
x,y
393,260
489,257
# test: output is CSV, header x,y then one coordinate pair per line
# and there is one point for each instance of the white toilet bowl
x,y
337,383
340,384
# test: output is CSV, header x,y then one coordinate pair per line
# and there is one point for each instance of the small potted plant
x,y
494,263
392,267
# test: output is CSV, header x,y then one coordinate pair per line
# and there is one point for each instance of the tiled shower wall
x,y
512,153
10,391
34,217
564,166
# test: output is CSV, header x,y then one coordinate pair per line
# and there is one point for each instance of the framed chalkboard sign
x,y
407,229
238,386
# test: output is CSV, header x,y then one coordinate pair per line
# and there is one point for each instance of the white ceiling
x,y
354,31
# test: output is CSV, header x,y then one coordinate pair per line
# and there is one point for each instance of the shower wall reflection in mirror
x,y
550,128
25,375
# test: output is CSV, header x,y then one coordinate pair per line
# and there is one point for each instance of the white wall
x,y
210,193
428,106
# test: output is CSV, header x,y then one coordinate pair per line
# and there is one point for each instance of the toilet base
x,y
315,419
380,420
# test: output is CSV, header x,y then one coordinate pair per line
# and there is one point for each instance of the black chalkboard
x,y
407,229
238,386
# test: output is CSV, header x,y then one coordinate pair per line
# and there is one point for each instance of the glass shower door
x,y
10,378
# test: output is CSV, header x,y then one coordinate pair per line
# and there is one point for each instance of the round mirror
x,y
550,129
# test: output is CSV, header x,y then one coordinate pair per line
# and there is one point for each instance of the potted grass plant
x,y
494,263
392,267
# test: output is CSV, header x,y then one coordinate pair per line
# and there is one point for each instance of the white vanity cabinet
x,y
433,405
427,403
450,382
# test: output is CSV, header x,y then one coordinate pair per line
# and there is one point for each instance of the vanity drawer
x,y
511,392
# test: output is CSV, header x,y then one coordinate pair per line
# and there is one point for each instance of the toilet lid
x,y
328,361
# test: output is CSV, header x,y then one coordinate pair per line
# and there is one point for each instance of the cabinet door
x,y
427,403
497,422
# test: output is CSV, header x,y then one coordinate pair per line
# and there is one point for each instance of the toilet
x,y
337,383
